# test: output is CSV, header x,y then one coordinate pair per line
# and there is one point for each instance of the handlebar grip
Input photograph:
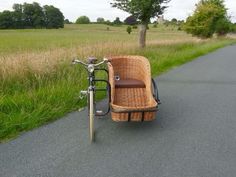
x,y
106,60
80,62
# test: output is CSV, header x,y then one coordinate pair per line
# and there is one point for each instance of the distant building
x,y
160,19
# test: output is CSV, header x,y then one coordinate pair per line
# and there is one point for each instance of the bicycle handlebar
x,y
105,60
76,61
79,62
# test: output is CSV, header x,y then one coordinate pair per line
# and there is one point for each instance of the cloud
x,y
178,9
231,9
101,8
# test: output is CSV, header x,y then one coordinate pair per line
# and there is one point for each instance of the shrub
x,y
129,29
100,20
83,20
155,25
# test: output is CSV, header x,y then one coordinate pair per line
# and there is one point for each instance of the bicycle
x,y
133,94
91,67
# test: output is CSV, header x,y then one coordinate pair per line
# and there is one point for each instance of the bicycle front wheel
x,y
91,116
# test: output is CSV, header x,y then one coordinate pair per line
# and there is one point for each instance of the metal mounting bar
x,y
156,93
109,94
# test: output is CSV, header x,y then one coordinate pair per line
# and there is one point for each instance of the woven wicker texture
x,y
135,99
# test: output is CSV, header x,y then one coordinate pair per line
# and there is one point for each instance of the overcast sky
x,y
72,9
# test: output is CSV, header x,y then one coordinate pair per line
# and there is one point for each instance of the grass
x,y
74,35
38,84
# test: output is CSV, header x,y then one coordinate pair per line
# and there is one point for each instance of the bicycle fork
x,y
90,99
91,112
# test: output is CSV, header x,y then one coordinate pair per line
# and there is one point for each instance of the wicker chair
x,y
131,89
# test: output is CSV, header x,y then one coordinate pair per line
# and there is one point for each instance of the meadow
x,y
39,85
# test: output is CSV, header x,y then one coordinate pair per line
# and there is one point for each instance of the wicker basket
x,y
131,103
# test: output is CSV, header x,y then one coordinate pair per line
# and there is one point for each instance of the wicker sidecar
x,y
134,95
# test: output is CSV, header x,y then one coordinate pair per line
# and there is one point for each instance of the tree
x,y
108,22
233,28
18,16
143,10
67,21
33,15
38,17
6,20
223,26
53,17
83,20
117,21
28,12
210,16
180,24
100,20
174,21
131,20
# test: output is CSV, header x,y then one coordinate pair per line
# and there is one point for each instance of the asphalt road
x,y
194,134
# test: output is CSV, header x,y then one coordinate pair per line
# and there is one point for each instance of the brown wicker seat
x,y
129,83
131,89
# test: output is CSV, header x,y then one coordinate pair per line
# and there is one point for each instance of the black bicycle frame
x,y
92,82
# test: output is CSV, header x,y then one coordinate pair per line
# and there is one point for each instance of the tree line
x,y
31,16
210,17
100,20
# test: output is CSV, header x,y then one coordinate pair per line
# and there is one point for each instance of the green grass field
x,y
38,84
76,36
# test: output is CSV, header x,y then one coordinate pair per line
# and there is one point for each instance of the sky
x,y
72,9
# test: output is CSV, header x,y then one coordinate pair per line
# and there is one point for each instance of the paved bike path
x,y
194,134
